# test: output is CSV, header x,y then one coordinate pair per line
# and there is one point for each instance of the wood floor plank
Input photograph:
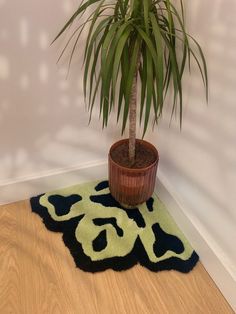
x,y
38,275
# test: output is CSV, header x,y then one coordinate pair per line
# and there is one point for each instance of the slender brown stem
x,y
133,115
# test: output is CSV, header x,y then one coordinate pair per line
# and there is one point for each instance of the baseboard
x,y
212,263
24,188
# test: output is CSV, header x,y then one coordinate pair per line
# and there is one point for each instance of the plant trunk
x,y
133,116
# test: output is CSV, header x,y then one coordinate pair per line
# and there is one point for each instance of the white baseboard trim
x,y
212,263
24,188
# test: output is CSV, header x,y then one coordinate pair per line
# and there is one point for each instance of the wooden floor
x,y
38,275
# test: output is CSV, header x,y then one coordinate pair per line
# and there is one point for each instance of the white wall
x,y
199,163
43,124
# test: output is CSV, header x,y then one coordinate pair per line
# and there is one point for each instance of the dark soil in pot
x,y
145,156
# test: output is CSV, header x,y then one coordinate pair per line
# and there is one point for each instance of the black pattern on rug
x,y
102,234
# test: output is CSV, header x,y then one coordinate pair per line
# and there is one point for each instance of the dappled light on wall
x,y
24,82
24,32
44,40
43,73
4,68
68,6
38,97
200,161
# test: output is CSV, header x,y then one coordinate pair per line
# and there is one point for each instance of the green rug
x,y
102,234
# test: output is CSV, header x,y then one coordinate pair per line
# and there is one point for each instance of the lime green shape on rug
x,y
117,246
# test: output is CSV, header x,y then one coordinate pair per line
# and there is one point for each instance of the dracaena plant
x,y
131,44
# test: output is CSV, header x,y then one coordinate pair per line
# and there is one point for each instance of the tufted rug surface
x,y
102,234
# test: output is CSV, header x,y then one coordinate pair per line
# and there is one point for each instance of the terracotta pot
x,y
132,186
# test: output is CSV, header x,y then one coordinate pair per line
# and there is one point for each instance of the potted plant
x,y
135,51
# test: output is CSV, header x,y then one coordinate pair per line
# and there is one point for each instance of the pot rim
x,y
134,169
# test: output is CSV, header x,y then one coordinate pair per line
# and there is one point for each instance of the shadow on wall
x,y
43,121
